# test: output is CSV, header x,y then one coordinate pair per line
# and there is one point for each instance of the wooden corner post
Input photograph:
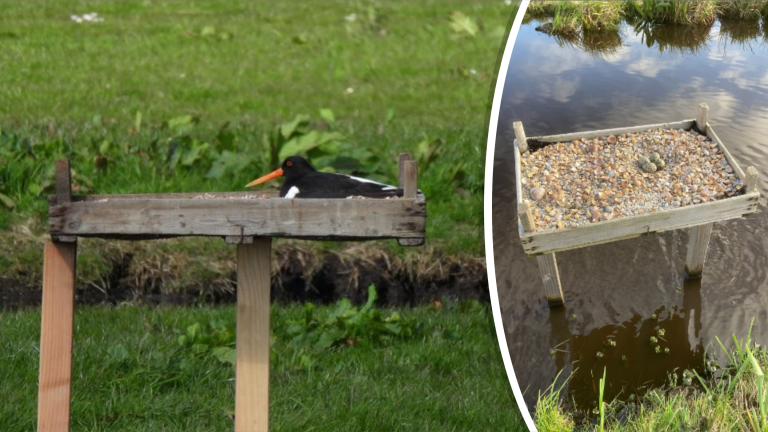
x,y
408,181
57,321
698,236
702,117
252,339
553,290
522,141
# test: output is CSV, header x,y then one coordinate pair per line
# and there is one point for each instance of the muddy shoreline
x,y
299,275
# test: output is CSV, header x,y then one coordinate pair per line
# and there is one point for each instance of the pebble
x,y
591,180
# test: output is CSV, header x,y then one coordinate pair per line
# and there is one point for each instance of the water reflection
x,y
673,38
741,35
626,350
660,73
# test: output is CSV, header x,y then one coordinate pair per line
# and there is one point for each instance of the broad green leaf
x,y
228,163
6,201
182,123
304,143
208,31
327,115
225,354
287,129
461,23
328,338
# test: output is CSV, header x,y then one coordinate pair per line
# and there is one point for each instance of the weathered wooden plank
x,y
518,174
702,117
57,327
698,242
736,168
147,216
543,242
247,195
522,142
551,279
685,124
252,356
751,180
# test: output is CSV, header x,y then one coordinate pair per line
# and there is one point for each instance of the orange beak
x,y
273,175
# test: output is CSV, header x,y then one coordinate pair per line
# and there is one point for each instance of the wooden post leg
x,y
551,279
252,370
698,241
57,325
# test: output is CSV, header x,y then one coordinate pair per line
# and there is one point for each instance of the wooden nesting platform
x,y
699,218
235,216
248,219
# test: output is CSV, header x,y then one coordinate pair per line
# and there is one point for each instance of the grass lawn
x,y
186,96
131,373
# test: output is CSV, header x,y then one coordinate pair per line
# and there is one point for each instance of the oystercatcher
x,y
304,181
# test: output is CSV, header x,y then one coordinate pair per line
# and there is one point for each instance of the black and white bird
x,y
304,181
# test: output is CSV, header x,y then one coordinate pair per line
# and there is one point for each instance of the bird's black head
x,y
296,167
293,168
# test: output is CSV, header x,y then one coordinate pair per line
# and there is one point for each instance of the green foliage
x,y
348,325
213,338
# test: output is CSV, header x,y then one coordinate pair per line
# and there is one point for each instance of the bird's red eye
x,y
289,163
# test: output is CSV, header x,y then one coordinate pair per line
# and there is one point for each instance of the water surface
x,y
627,291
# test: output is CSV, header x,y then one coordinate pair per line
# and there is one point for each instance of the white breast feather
x,y
292,192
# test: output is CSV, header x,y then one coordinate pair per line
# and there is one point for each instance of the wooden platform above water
x,y
545,242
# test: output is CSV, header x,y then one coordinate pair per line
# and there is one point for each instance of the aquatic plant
x,y
745,10
675,12
550,414
569,17
602,404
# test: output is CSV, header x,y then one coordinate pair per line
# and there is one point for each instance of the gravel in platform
x,y
592,180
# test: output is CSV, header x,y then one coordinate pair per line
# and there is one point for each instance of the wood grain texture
x,y
544,242
252,366
551,279
685,124
736,168
63,181
133,217
518,174
409,178
702,117
751,181
57,324
402,157
698,242
522,141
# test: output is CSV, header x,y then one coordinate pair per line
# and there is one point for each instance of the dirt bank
x,y
299,274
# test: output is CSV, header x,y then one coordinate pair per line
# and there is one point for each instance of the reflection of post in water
x,y
676,39
692,310
638,354
738,32
561,335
